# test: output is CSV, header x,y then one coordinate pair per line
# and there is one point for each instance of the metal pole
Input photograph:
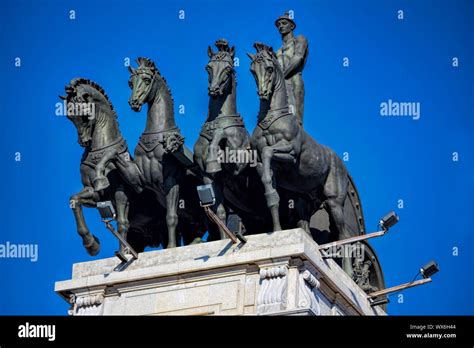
x,y
219,223
120,238
399,287
352,239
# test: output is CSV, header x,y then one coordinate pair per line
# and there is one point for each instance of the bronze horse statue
x,y
107,170
291,160
236,183
161,171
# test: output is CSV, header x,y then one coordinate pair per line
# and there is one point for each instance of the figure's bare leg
x,y
89,197
172,200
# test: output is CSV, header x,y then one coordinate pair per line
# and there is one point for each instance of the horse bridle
x,y
153,79
227,60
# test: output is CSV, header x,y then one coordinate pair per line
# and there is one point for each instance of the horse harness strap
x,y
150,140
221,122
272,116
93,157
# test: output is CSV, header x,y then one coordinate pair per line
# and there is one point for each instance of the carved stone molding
x,y
90,304
307,298
273,287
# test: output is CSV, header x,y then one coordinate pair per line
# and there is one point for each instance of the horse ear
x,y
232,52
62,97
130,69
209,51
251,56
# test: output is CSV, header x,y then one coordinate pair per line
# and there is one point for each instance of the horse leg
x,y
121,204
101,182
172,200
281,151
302,208
269,183
212,161
87,195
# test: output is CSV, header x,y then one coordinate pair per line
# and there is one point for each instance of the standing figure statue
x,y
292,58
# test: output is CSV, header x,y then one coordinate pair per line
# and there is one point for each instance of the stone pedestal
x,y
279,273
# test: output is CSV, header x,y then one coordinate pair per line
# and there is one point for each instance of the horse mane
x,y
83,81
147,63
264,50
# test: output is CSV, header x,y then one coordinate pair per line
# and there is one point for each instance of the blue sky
x,y
407,60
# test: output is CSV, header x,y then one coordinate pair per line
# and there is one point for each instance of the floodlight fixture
x,y
207,199
106,210
107,213
206,195
429,269
388,220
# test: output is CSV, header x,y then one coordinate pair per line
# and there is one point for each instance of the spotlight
x,y
206,195
429,269
106,210
388,220
385,223
207,198
107,213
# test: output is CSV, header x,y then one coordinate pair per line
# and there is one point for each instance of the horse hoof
x,y
93,247
101,184
213,167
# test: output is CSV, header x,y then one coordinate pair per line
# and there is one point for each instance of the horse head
x,y
265,69
220,67
85,101
144,83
